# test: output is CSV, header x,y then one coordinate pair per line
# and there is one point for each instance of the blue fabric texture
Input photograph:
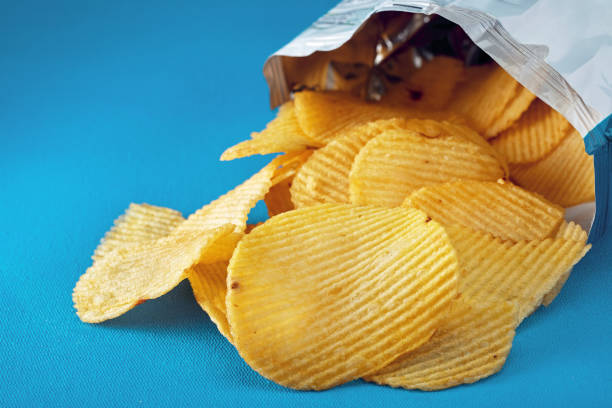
x,y
107,103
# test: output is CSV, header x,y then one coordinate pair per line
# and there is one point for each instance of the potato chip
x,y
522,272
250,227
324,115
394,164
501,209
430,86
283,134
566,176
234,207
539,130
568,231
485,95
140,223
512,112
324,178
472,343
131,275
208,282
325,294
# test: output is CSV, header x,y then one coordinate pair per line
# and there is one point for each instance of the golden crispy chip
x,y
430,86
539,130
208,282
512,112
131,275
283,134
140,223
568,231
396,163
278,199
234,207
289,166
324,178
482,98
501,209
324,115
325,294
522,272
471,344
566,176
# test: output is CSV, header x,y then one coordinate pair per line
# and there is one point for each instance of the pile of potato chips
x,y
407,238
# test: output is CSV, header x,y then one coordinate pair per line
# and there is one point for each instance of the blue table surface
x,y
107,103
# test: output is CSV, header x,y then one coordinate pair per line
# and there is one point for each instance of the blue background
x,y
105,103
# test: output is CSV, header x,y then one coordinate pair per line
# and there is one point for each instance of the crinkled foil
x,y
363,46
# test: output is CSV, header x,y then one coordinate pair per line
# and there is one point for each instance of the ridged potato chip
x,y
472,343
539,130
326,294
501,209
430,86
566,176
140,223
486,99
324,115
522,272
129,275
394,164
324,178
282,134
568,231
208,282
512,112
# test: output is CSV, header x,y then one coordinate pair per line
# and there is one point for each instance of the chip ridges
x,y
208,282
472,343
324,264
512,112
130,275
140,223
566,176
282,134
483,96
501,209
538,131
394,164
523,272
324,178
324,115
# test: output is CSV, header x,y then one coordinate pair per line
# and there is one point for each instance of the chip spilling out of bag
x,y
406,241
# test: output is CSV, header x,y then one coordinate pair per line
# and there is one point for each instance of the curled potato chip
x,y
325,294
324,115
484,96
501,209
233,207
566,176
394,164
140,223
522,272
283,134
512,112
130,275
539,130
430,86
208,282
572,232
471,344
